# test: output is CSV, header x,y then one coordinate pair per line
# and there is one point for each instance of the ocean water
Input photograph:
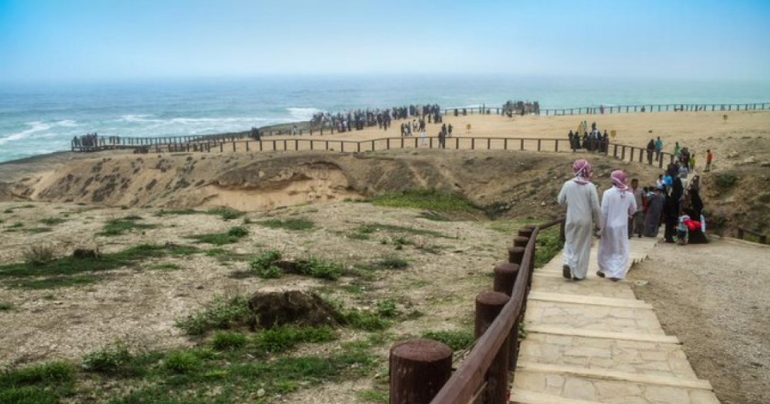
x,y
43,118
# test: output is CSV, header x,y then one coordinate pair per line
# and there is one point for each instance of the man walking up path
x,y
618,204
582,201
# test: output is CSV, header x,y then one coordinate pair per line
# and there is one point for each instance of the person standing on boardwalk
x,y
582,201
618,204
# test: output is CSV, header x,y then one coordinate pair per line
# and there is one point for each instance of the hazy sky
x,y
127,39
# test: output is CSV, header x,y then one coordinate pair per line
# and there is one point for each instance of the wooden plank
x,y
531,397
616,376
588,300
572,332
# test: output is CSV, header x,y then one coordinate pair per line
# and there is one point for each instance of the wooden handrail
x,y
469,377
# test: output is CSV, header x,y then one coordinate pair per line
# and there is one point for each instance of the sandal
x,y
566,272
600,274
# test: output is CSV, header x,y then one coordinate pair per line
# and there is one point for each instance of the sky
x,y
61,40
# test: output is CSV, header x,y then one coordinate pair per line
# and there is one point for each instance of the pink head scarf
x,y
619,180
582,170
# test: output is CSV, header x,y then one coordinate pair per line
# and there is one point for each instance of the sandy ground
x,y
714,298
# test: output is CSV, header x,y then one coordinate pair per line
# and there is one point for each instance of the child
x,y
682,231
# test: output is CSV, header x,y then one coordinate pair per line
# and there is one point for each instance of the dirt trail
x,y
714,298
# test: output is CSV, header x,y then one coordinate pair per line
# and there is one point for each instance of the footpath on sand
x,y
594,342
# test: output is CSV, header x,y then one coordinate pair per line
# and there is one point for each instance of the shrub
x,y
393,263
288,224
182,362
457,340
281,339
725,181
117,227
46,373
228,340
387,308
39,254
264,265
366,321
222,313
52,221
109,359
318,268
231,236
6,306
226,213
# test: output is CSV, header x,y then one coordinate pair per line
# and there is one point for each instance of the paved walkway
x,y
594,342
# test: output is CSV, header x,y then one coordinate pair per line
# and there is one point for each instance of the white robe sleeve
x,y
595,204
562,198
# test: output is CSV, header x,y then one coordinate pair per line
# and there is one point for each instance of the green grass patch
x,y
117,227
215,252
67,271
266,266
16,226
374,396
548,246
392,263
371,228
296,224
38,384
221,314
112,358
167,266
53,221
226,213
366,321
231,236
284,338
228,341
457,340
429,199
182,362
726,180
7,306
174,212
38,230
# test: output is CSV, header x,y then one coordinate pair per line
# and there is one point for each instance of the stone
x,y
579,389
666,395
587,352
608,389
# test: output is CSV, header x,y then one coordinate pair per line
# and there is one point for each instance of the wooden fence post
x,y
488,307
473,143
505,277
418,370
538,144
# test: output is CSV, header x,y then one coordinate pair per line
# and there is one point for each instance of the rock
x,y
292,307
83,253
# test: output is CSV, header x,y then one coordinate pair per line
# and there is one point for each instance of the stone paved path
x,y
594,342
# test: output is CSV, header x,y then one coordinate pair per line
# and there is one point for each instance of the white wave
x,y
303,114
67,123
35,127
137,118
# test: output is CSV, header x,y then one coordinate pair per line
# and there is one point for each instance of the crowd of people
x,y
511,108
88,140
359,119
627,210
594,141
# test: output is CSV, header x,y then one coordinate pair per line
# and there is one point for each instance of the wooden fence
x,y
622,152
617,109
761,238
420,370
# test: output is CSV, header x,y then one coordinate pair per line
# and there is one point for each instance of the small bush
x,y
215,252
228,340
110,359
221,314
288,224
117,227
366,321
238,231
264,265
167,266
182,362
387,308
226,214
457,340
39,254
725,181
393,263
6,306
46,373
52,221
233,235
281,339
318,268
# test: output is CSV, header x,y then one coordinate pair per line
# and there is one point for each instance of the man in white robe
x,y
618,204
582,201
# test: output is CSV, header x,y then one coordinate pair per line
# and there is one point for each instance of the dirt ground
x,y
714,297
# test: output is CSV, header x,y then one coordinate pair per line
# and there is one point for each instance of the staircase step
x,y
597,318
588,300
531,397
571,332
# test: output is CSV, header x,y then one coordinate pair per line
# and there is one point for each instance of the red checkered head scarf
x,y
583,171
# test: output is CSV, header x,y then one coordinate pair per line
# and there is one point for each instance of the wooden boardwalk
x,y
594,342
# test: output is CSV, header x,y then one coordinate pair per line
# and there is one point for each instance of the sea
x,y
40,118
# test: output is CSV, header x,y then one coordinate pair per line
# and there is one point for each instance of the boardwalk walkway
x,y
594,342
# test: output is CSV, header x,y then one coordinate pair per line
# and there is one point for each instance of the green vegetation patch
x,y
67,271
434,200
53,221
726,180
222,313
284,338
113,358
296,224
7,306
371,228
268,265
38,384
226,213
549,244
231,236
117,227
457,340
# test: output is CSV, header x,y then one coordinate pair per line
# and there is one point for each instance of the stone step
x,y
591,286
531,397
606,387
644,358
572,332
597,318
587,300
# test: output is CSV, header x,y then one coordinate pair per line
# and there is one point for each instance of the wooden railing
x,y
762,238
616,109
486,373
620,151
